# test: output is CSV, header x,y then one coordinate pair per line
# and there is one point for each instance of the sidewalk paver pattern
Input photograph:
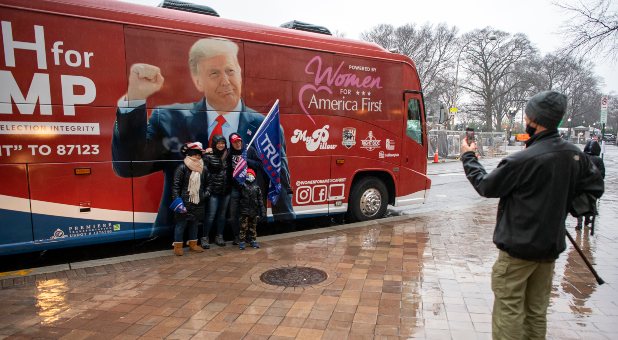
x,y
415,277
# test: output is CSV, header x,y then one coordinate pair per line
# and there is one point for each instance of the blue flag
x,y
267,143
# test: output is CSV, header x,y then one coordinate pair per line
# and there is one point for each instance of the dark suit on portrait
x,y
142,146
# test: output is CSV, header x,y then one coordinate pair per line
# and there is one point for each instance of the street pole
x,y
602,140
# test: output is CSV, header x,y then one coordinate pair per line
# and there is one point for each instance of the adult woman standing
x,y
219,188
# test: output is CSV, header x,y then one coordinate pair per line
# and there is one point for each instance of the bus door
x,y
15,221
414,158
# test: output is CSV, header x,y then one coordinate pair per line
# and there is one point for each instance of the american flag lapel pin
x,y
249,132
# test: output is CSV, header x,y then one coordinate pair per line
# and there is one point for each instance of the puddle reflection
x,y
577,280
51,300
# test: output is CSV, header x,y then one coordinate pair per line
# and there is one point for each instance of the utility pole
x,y
604,104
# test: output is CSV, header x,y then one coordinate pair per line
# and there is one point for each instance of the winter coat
x,y
251,203
536,187
593,150
180,188
218,168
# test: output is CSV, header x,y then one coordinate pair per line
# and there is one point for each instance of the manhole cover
x,y
293,276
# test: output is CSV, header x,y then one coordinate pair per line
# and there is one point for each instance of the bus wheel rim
x,y
370,202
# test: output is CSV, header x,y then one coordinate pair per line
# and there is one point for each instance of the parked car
x,y
609,138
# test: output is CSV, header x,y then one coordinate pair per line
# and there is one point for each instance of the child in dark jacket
x,y
238,161
189,197
251,210
593,150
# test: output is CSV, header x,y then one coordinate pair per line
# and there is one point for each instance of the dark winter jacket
x,y
593,150
536,187
180,188
251,203
218,167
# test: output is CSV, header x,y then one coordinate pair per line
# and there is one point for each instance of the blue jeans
x,y
217,208
184,221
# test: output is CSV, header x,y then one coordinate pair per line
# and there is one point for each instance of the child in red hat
x,y
251,210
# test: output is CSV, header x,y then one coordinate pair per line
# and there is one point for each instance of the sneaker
x,y
236,240
204,242
254,244
219,241
241,245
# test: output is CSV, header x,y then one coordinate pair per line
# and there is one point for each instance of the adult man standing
x,y
151,143
535,187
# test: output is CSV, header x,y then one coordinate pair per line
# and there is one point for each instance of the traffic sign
x,y
604,104
453,110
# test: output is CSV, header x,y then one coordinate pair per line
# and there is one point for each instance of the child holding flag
x,y
238,174
251,210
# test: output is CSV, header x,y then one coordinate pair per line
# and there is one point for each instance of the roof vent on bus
x,y
188,7
303,26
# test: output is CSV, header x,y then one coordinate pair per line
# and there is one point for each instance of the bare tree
x,y
338,34
431,47
490,60
592,28
576,79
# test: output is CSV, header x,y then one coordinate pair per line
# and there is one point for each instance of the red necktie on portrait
x,y
218,130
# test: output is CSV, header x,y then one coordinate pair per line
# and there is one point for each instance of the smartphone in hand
x,y
470,135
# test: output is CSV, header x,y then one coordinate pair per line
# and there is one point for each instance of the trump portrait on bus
x,y
142,145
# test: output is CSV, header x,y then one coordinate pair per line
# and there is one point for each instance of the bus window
x,y
414,129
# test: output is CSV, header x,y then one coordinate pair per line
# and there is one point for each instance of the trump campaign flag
x,y
240,171
267,143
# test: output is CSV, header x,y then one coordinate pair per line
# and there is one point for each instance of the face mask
x,y
250,178
530,130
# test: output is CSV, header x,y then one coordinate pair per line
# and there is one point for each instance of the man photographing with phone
x,y
536,187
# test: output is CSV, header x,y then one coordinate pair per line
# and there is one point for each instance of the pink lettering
x,y
345,79
314,67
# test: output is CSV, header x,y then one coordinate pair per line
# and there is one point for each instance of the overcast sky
x,y
540,20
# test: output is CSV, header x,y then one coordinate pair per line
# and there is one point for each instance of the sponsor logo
x,y
317,140
382,154
349,137
390,144
59,233
370,143
92,229
116,227
320,191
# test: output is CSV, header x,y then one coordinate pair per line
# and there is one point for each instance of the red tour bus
x,y
96,98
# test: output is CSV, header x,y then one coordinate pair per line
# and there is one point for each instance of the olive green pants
x,y
521,296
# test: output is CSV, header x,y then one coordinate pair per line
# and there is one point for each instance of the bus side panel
x,y
323,84
15,223
147,192
80,203
310,182
60,89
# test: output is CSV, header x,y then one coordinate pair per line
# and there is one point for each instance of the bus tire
x,y
368,200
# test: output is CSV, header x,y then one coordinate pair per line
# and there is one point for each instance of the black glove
x,y
205,195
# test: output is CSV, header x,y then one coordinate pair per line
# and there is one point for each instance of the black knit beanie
x,y
547,108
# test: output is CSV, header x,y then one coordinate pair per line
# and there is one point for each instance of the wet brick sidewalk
x,y
405,277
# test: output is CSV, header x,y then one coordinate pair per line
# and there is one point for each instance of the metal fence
x,y
448,143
